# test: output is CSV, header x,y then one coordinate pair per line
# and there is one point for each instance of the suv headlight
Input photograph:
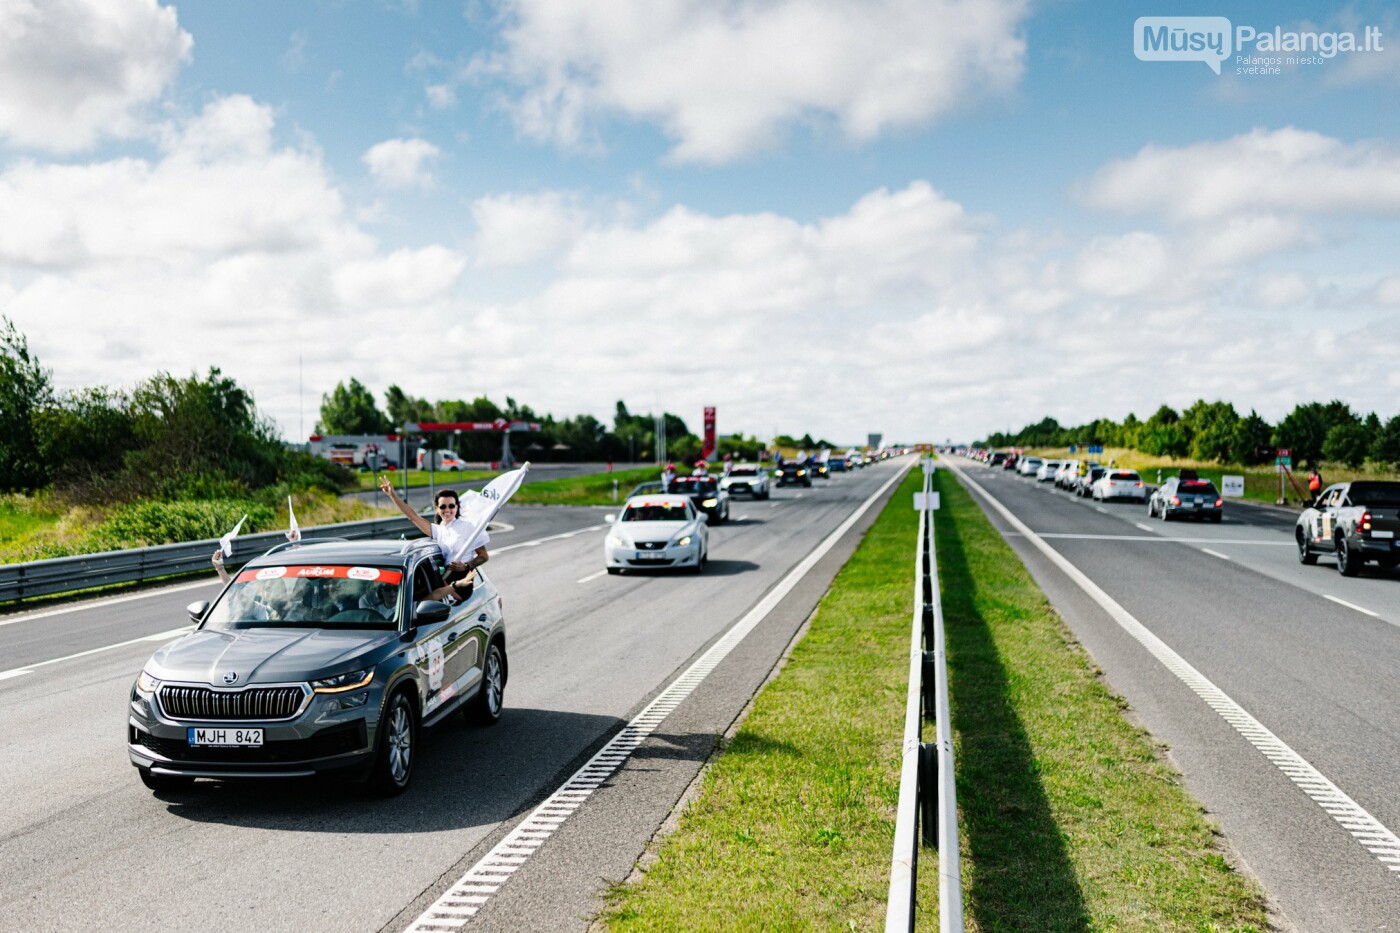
x,y
617,539
710,503
146,683
683,541
342,682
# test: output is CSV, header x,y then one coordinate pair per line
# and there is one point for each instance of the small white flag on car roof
x,y
478,508
293,529
226,542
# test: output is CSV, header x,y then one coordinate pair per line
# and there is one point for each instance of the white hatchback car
x,y
656,532
1120,484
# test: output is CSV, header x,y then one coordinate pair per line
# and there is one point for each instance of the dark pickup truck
x,y
1357,521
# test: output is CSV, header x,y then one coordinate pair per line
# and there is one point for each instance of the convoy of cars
x,y
326,657
331,657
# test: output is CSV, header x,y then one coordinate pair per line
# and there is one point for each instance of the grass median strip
x,y
1070,818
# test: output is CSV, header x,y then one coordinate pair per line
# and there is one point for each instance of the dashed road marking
x,y
1215,553
593,576
1142,526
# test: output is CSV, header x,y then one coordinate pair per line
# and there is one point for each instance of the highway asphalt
x,y
1235,604
83,844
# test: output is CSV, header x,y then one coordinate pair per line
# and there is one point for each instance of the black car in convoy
x,y
325,657
794,473
1180,497
1357,521
704,491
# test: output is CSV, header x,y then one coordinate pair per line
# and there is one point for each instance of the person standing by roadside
x,y
1314,483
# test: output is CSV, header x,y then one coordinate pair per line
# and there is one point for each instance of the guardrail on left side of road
x,y
136,565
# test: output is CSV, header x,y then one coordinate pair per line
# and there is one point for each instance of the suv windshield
x,y
309,596
743,471
654,513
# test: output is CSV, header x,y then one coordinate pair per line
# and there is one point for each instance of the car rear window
x,y
1197,488
743,471
1125,474
1375,495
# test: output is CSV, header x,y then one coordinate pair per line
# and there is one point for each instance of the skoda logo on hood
x,y
231,677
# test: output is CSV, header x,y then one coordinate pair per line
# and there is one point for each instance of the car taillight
x,y
1364,522
1219,503
1176,500
1139,484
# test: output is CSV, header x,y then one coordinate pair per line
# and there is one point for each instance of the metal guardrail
x,y
927,789
135,565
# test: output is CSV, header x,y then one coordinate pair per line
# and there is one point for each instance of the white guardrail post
x,y
927,786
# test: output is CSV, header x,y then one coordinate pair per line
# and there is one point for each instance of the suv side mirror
x,y
429,611
197,610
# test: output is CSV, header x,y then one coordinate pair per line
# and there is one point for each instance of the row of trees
x,y
1214,431
168,438
350,408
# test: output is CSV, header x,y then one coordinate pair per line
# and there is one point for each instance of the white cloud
x,y
517,228
75,71
724,80
1287,171
402,163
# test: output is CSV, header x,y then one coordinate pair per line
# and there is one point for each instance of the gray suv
x,y
324,657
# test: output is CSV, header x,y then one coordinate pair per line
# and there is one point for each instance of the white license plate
x,y
645,555
1382,534
225,737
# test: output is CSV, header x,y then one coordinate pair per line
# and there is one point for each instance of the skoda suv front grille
x,y
251,704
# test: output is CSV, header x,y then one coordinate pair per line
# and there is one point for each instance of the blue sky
x,y
931,220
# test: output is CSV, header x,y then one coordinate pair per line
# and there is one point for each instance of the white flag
x,y
478,508
226,542
293,530
824,456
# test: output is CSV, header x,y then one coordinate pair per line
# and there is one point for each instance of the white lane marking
x,y
82,654
1142,526
741,518
1099,508
464,898
559,537
499,527
1215,553
593,576
104,602
1350,815
173,633
1343,602
772,505
1165,540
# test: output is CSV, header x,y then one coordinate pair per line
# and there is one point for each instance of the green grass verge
x,y
1069,817
794,823
418,479
594,489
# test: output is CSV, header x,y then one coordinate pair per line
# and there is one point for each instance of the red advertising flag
x,y
710,445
